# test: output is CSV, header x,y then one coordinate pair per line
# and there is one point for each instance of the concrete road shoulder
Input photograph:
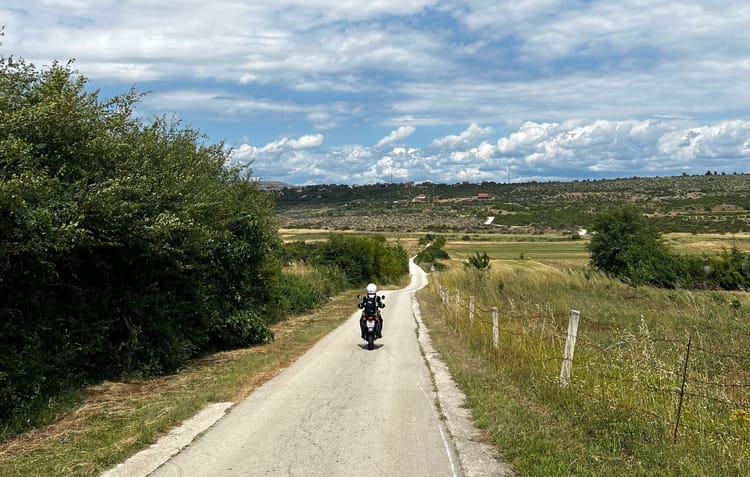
x,y
149,459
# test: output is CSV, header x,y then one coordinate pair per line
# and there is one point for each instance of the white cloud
x,y
629,147
527,138
470,136
550,29
307,142
248,153
396,135
321,120
224,102
260,41
590,87
726,140
535,151
386,169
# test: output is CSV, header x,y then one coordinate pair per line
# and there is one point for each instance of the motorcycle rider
x,y
370,306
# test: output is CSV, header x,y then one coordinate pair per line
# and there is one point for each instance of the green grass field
x,y
619,414
552,249
567,251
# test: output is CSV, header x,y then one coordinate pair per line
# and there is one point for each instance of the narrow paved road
x,y
340,410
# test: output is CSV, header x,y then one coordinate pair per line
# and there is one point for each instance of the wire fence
x,y
690,387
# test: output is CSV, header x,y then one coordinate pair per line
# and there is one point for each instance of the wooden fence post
x,y
570,346
471,310
682,389
495,328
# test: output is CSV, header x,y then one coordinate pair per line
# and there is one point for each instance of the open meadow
x,y
547,248
659,379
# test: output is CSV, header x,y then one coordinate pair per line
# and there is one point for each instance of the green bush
x,y
241,329
299,294
126,247
727,270
364,259
478,261
626,246
432,253
342,261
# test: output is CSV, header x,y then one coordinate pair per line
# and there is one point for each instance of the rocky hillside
x,y
710,203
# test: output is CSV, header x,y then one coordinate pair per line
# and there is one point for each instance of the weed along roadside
x,y
651,382
117,419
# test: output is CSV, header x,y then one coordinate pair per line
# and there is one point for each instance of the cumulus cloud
x,y
628,147
470,136
395,136
591,88
534,151
527,138
249,153
729,140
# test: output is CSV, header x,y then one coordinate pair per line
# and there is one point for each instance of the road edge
x,y
476,458
149,459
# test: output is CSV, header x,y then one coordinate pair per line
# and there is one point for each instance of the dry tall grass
x,y
629,358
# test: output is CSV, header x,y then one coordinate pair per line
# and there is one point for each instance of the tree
x,y
432,253
626,246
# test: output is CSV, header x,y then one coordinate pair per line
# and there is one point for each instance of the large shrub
x,y
625,245
364,259
432,252
359,259
125,246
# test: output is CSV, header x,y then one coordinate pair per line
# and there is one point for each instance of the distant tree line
x,y
431,254
626,245
129,247
359,260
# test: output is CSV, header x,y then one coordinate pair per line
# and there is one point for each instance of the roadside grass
x,y
116,420
618,413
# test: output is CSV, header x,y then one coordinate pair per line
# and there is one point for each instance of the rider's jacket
x,y
371,305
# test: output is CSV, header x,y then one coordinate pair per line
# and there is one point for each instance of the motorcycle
x,y
370,321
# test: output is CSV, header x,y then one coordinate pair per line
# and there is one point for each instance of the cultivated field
x,y
549,248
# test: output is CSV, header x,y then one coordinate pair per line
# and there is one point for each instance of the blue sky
x,y
349,91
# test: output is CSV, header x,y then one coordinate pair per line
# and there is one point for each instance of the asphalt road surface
x,y
340,410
